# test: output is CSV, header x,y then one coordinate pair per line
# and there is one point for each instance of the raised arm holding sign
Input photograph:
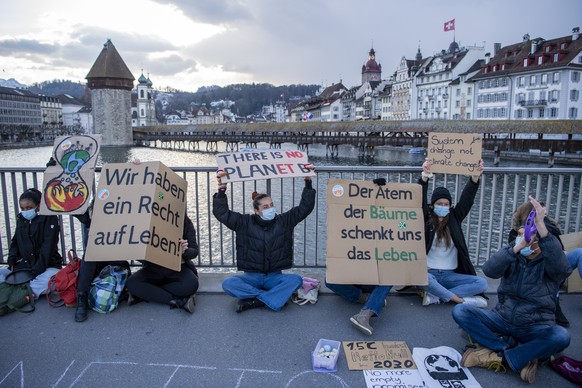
x,y
264,246
451,275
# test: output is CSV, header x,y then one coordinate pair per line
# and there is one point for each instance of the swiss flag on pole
x,y
450,25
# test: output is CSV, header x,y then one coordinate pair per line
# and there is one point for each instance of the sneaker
x,y
247,304
361,321
429,298
477,301
528,372
482,357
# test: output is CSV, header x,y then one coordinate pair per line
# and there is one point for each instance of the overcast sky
x,y
191,43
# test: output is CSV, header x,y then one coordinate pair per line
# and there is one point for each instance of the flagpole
x,y
455,30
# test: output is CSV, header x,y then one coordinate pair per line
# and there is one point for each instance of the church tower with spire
x,y
111,82
371,70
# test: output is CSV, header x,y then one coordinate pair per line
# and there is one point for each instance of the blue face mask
x,y
28,214
525,251
269,214
442,211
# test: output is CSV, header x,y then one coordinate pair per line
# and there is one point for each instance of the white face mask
x,y
28,214
269,214
441,211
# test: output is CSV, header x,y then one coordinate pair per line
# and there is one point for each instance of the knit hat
x,y
441,192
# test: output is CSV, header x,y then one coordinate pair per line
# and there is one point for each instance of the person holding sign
x,y
264,247
373,298
451,275
521,329
154,283
34,245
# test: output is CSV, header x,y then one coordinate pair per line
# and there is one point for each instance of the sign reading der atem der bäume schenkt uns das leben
x,y
375,234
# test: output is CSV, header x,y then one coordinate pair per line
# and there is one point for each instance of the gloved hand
x,y
379,181
219,175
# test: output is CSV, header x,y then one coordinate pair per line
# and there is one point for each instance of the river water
x,y
38,156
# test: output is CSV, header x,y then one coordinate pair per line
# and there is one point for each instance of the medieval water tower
x,y
111,82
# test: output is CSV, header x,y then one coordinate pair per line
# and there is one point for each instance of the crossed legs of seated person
x,y
496,342
373,299
255,290
161,285
447,285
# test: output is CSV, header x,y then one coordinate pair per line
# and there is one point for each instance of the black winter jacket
x,y
263,246
528,289
456,217
35,244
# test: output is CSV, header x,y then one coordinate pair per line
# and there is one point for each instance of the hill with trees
x,y
247,98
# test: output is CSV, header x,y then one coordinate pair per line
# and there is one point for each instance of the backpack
x,y
62,286
16,297
107,288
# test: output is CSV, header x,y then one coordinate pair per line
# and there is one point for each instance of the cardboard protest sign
x,y
454,153
393,378
68,185
262,164
375,234
367,355
138,214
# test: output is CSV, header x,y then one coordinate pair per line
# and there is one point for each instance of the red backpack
x,y
62,286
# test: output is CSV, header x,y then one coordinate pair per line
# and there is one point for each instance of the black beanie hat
x,y
441,192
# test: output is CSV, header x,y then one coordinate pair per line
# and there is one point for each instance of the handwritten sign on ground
x,y
262,164
367,355
375,234
138,214
454,153
394,378
68,185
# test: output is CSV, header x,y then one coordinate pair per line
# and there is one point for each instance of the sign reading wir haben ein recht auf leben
x,y
138,214
375,234
262,164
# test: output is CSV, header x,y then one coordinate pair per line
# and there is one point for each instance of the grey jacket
x,y
529,288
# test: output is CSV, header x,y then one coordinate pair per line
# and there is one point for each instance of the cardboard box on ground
x,y
375,234
138,214
572,241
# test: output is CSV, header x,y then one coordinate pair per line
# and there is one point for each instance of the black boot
x,y
187,303
247,304
82,306
560,317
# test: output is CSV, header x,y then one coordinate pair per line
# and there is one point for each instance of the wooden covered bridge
x,y
546,135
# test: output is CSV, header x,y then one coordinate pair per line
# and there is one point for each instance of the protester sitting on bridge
x,y
264,247
451,275
154,283
34,245
574,256
520,330
373,298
